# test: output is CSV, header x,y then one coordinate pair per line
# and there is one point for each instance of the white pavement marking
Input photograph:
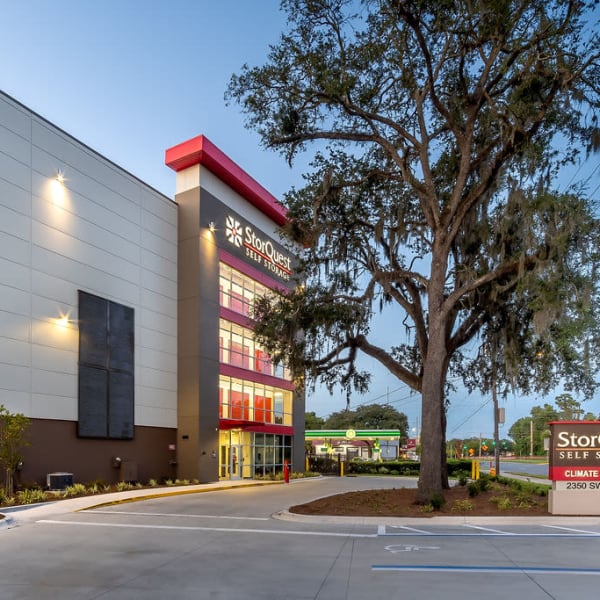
x,y
486,569
414,529
150,514
217,529
487,529
395,548
582,531
492,533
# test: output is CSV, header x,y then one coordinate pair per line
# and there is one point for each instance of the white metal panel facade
x,y
102,231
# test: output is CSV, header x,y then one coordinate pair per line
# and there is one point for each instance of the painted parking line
x,y
572,530
486,529
179,515
215,529
486,569
481,532
397,548
405,528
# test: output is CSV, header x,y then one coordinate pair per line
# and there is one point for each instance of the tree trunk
x,y
9,483
433,477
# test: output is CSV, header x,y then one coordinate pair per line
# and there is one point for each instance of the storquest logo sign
x,y
258,248
575,451
233,232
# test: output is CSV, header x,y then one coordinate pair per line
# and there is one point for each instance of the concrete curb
x,y
7,522
557,520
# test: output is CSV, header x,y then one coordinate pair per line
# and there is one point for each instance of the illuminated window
x,y
237,348
237,291
248,401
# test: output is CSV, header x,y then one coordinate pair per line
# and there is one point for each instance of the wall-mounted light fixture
x,y
63,319
212,227
60,176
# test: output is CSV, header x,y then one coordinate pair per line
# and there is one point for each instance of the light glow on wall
x,y
59,195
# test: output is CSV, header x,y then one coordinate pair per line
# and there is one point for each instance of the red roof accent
x,y
200,150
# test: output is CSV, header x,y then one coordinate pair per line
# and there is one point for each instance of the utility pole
x,y
493,356
531,437
496,436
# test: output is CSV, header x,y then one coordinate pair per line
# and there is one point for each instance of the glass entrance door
x,y
236,461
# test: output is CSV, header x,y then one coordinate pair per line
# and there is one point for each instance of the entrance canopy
x,y
352,434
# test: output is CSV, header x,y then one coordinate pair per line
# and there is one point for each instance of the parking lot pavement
x,y
227,545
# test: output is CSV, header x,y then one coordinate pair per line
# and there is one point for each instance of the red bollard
x,y
286,471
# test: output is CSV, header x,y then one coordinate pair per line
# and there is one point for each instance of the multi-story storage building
x,y
125,331
237,412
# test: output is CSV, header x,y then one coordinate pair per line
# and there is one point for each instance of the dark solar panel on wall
x,y
106,367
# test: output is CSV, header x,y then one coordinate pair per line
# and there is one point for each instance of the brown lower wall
x,y
55,447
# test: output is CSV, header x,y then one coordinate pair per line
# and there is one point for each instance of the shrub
x,y
502,502
462,506
99,484
123,486
462,478
77,489
484,483
473,489
437,501
31,496
6,500
93,489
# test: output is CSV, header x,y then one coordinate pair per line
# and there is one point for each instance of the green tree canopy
x,y
437,131
369,416
312,421
13,427
528,432
569,408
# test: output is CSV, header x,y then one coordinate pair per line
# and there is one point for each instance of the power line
x,y
472,414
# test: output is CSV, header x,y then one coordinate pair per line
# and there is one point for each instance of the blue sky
x,y
131,78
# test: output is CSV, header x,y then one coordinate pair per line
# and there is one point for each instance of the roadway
x,y
241,542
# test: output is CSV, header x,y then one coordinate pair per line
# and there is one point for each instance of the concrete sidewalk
x,y
11,516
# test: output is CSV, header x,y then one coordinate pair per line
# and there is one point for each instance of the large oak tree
x,y
437,130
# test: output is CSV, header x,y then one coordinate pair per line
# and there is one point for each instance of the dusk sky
x,y
131,78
